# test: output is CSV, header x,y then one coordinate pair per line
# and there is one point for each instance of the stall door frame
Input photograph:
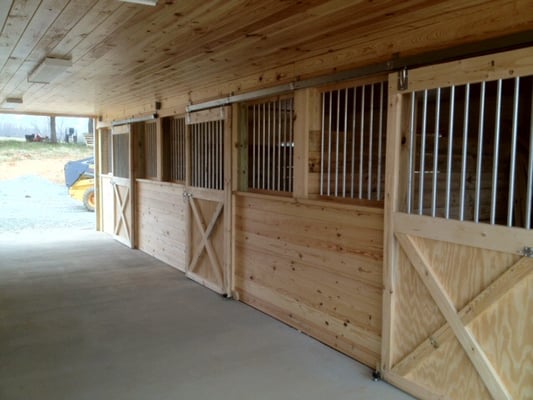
x,y
104,189
202,222
410,249
123,191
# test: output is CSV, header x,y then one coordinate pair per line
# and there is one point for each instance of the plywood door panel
x,y
122,211
207,243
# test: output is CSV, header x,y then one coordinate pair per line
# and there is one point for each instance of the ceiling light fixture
x,y
49,69
11,102
144,2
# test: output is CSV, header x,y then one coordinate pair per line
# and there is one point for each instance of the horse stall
x,y
387,216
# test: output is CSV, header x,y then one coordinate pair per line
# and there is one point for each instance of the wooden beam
x,y
485,236
469,343
390,246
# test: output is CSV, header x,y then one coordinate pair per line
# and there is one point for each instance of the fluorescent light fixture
x,y
49,69
11,102
145,2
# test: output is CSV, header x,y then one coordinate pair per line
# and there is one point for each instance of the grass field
x,y
44,159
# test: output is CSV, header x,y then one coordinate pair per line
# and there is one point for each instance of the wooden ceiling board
x,y
363,48
126,56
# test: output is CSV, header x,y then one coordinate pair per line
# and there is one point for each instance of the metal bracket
x,y
403,79
186,196
527,252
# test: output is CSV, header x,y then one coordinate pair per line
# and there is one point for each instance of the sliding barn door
x,y
459,277
208,192
121,185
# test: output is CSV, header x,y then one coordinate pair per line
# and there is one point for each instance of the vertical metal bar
x,y
193,156
263,155
411,153
272,130
329,143
337,135
285,146
221,153
361,142
529,192
423,154
211,151
269,166
344,172
291,141
450,152
354,118
496,153
322,150
380,141
479,159
512,172
464,153
370,141
278,144
275,132
436,154
253,144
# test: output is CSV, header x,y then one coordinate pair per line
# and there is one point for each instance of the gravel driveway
x,y
31,203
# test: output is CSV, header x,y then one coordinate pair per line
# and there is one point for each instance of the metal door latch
x,y
403,79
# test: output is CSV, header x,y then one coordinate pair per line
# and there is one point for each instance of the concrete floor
x,y
82,317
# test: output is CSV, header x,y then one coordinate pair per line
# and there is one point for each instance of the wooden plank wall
x,y
316,266
161,222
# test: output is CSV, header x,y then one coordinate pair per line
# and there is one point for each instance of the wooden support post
x,y
392,167
306,124
97,152
228,185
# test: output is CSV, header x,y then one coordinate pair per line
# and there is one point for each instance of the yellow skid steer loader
x,y
79,178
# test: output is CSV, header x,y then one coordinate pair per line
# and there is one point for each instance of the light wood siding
x,y
161,222
314,265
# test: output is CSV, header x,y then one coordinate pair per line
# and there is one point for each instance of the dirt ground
x,y
40,159
33,195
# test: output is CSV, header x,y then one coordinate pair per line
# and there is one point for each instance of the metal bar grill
x,y
479,164
176,151
529,191
150,150
270,145
422,157
370,143
353,134
487,178
512,167
464,153
380,141
436,155
496,154
207,152
449,160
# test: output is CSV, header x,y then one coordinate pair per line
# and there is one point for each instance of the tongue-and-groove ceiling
x,y
126,56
